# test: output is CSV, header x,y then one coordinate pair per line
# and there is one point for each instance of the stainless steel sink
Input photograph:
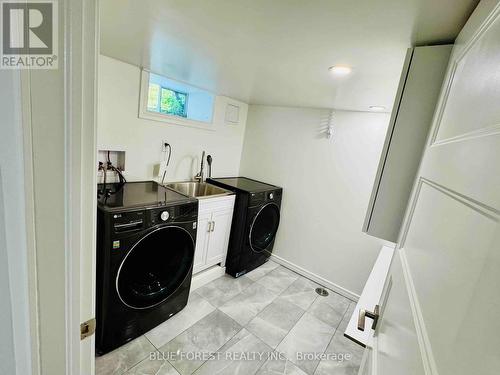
x,y
198,189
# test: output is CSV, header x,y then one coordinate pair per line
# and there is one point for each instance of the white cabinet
x,y
214,226
411,118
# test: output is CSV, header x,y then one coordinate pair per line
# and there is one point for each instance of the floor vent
x,y
322,292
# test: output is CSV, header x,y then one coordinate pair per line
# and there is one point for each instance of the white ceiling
x,y
277,52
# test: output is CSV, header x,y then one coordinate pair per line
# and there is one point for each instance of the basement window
x,y
168,100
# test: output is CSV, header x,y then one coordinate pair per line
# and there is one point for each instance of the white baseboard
x,y
316,278
205,276
208,275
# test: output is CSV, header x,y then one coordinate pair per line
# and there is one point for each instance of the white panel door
x,y
219,236
441,316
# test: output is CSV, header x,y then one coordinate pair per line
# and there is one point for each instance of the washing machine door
x,y
155,267
264,227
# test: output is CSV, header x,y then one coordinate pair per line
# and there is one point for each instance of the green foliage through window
x,y
167,101
173,102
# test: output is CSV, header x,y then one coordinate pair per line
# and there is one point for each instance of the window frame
x,y
146,114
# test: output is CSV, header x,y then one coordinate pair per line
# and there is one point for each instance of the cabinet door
x,y
219,237
202,241
416,99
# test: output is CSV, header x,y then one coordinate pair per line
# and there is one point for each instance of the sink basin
x,y
197,189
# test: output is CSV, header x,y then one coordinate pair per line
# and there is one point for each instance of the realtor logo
x,y
29,34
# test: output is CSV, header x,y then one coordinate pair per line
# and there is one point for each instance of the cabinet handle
x,y
209,226
373,315
213,226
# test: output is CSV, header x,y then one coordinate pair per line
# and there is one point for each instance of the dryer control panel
x,y
265,197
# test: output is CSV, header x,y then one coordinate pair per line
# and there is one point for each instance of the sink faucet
x,y
199,175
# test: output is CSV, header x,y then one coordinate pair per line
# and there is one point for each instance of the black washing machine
x,y
256,220
145,249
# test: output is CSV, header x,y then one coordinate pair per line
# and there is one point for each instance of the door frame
x,y
15,235
70,119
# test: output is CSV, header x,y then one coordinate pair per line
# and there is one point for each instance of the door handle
x,y
373,315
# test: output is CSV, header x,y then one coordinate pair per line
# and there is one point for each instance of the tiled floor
x,y
270,321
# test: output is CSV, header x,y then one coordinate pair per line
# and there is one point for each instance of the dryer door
x,y
155,267
264,227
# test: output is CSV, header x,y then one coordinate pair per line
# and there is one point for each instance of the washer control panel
x,y
125,222
164,216
177,213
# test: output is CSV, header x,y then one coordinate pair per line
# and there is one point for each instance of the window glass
x,y
155,267
169,97
264,227
173,102
153,97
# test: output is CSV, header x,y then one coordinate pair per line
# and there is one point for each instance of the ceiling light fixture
x,y
340,70
377,108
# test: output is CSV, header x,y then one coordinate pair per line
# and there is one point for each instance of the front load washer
x,y
256,220
145,251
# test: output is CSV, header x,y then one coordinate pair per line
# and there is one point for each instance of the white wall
x,y
15,344
119,128
326,185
